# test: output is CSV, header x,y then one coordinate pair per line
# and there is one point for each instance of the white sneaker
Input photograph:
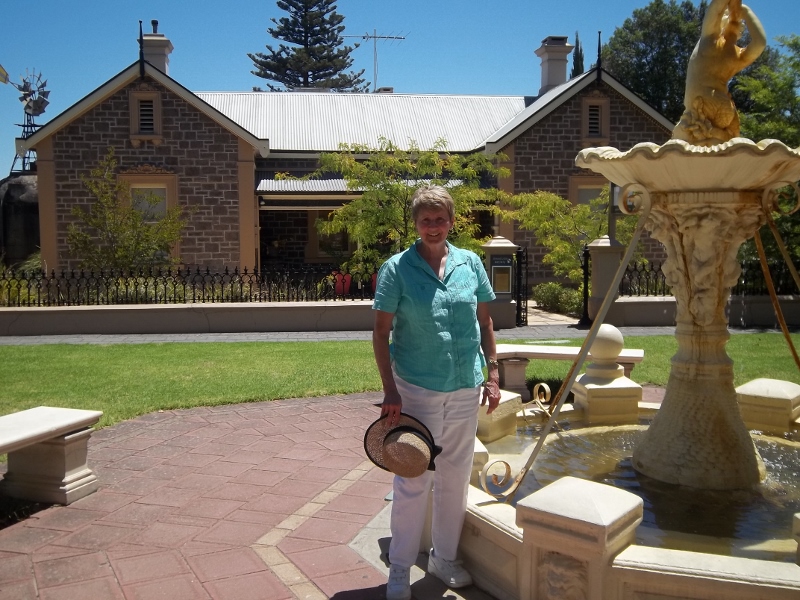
x,y
399,585
449,571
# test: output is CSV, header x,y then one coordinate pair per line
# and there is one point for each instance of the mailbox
x,y
500,266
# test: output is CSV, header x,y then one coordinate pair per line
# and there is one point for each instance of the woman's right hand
x,y
391,407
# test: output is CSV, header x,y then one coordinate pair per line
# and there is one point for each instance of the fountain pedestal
x,y
704,202
698,438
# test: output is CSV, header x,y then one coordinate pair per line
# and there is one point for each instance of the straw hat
x,y
405,449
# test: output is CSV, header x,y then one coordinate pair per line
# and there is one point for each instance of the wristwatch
x,y
492,362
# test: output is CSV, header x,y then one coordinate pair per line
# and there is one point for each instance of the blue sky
x,y
451,46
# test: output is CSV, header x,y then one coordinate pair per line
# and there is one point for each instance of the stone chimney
x,y
157,48
553,52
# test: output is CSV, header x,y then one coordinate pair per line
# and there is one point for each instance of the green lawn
x,y
132,379
755,355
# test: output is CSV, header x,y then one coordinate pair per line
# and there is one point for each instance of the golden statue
x,y
710,115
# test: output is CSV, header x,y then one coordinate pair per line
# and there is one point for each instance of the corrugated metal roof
x,y
308,186
315,186
319,121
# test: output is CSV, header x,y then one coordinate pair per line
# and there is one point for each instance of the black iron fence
x,y
180,286
752,281
644,279
647,279
301,284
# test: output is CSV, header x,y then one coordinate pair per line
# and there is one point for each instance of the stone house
x,y
218,152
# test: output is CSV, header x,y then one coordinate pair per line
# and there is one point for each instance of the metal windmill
x,y
34,98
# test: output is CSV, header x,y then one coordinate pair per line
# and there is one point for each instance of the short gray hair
x,y
432,196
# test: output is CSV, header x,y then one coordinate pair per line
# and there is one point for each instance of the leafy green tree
x,y
650,52
313,55
118,232
770,95
379,218
577,58
563,227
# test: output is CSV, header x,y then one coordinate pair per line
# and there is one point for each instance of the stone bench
x,y
47,450
514,359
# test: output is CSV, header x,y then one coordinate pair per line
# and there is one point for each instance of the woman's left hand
x,y
491,394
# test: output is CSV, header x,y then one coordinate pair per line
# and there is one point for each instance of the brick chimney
x,y
553,52
157,48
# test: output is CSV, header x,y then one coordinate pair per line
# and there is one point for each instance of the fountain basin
x,y
678,166
573,536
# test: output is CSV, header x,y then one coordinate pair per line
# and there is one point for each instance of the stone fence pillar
x,y
605,256
572,530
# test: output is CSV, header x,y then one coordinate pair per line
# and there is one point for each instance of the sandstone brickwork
x,y
201,153
545,158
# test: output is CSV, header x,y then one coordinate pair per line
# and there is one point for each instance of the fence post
x,y
605,257
521,285
585,320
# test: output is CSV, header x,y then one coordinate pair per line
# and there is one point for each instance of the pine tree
x,y
577,58
314,55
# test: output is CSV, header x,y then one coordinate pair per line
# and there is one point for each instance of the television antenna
x,y
375,37
34,97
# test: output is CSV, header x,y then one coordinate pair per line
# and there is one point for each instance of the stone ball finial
x,y
608,344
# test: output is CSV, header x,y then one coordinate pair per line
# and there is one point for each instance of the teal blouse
x,y
435,335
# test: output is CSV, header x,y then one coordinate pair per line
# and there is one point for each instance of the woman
x,y
435,298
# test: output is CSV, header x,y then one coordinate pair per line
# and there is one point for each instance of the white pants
x,y
452,418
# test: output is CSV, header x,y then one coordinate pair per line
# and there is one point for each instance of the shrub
x,y
554,297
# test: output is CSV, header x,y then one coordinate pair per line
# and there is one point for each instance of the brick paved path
x,y
244,502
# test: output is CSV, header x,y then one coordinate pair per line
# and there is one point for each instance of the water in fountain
x,y
753,523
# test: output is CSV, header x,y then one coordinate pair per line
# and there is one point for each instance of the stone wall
x,y
544,159
197,150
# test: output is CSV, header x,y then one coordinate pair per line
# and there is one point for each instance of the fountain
x,y
707,190
710,191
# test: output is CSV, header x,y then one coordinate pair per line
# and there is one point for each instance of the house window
x,y
582,190
322,246
594,127
145,118
596,121
147,181
147,122
150,201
